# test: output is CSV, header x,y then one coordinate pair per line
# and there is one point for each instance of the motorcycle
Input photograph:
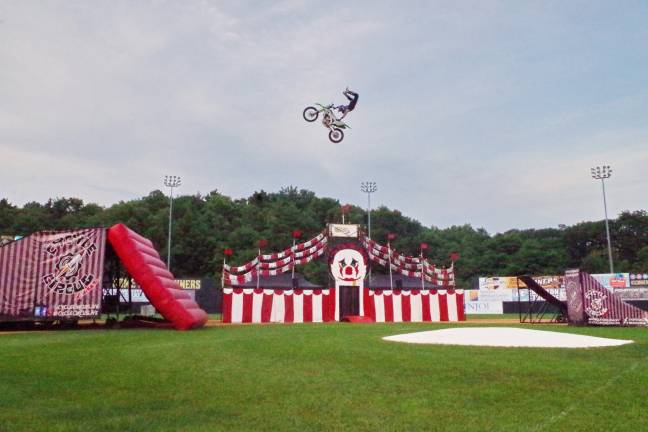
x,y
335,126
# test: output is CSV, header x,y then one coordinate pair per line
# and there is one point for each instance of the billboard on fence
x,y
53,274
613,280
187,284
136,295
491,295
510,282
505,288
484,307
635,293
639,280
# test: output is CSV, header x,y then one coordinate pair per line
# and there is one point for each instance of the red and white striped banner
x,y
439,276
265,270
384,253
242,269
297,248
414,305
312,242
276,263
311,257
409,266
310,251
242,305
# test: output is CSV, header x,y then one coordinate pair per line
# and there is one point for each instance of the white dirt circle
x,y
505,337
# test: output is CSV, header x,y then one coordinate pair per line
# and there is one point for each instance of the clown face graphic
x,y
348,267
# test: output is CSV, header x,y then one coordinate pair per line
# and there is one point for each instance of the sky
x,y
487,112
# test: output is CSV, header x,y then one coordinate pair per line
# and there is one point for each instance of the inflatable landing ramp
x,y
142,261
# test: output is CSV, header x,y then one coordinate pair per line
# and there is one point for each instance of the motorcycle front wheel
x,y
336,135
310,114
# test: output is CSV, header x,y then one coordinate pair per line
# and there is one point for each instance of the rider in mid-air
x,y
353,100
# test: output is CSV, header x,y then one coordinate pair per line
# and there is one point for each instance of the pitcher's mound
x,y
505,337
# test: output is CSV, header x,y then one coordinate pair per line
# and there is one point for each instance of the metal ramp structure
x,y
542,308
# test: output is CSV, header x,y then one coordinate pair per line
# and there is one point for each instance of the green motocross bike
x,y
335,126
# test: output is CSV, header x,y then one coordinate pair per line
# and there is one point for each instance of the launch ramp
x,y
538,311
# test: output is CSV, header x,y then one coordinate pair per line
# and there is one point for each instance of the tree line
x,y
205,225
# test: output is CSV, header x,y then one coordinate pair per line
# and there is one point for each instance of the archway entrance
x,y
349,301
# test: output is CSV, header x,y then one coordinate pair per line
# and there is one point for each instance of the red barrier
x,y
145,266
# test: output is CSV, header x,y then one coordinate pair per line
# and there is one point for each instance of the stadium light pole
x,y
368,187
171,182
602,173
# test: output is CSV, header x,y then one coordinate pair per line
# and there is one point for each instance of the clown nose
x,y
348,270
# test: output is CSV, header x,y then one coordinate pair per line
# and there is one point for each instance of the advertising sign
x,y
340,230
187,284
613,280
490,295
504,288
634,293
137,295
639,279
511,282
497,283
482,307
559,293
53,274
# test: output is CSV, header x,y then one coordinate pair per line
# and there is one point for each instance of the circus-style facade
x,y
415,290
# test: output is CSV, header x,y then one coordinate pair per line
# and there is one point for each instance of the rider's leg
x,y
350,94
353,99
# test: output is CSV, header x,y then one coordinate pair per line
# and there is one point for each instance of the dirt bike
x,y
335,126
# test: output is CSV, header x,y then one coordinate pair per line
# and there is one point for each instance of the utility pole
x,y
171,182
602,173
368,187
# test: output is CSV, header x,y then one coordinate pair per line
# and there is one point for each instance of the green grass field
x,y
314,377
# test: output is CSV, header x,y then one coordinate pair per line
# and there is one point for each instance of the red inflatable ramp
x,y
145,266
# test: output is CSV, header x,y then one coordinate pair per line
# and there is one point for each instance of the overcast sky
x,y
487,112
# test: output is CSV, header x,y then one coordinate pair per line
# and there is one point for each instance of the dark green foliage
x,y
205,225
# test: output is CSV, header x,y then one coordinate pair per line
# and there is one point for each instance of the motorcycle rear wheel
x,y
310,114
336,135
